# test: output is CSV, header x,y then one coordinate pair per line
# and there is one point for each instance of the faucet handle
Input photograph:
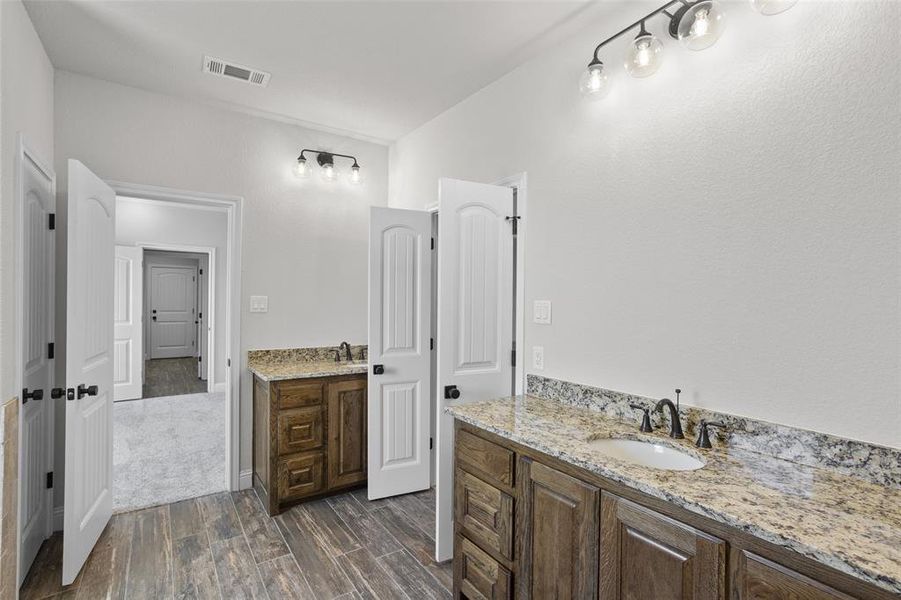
x,y
645,420
703,440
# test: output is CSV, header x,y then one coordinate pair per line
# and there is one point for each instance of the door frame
x,y
23,153
210,309
233,207
444,438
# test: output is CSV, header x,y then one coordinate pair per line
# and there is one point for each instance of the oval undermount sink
x,y
647,454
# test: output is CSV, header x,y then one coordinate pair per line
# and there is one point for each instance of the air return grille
x,y
230,70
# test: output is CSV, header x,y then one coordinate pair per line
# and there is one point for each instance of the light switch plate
x,y
538,358
259,304
541,312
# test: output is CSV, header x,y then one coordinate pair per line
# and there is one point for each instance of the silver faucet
x,y
346,347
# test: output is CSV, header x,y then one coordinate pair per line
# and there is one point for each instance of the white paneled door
x,y
172,307
35,430
475,315
89,366
400,264
127,327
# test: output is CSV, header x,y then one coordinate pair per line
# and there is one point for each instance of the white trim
x,y
245,481
233,205
520,181
23,153
210,251
58,517
218,387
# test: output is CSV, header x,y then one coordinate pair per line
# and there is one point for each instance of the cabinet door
x,y
756,578
346,455
557,528
647,555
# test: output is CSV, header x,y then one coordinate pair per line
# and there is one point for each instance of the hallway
x,y
171,377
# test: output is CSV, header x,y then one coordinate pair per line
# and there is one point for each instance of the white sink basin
x,y
647,454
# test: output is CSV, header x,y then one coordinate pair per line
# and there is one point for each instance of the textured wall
x,y
729,226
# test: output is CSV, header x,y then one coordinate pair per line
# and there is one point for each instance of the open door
x,y
128,331
475,316
400,263
89,366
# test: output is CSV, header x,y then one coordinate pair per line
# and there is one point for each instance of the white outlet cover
x,y
538,358
541,312
259,304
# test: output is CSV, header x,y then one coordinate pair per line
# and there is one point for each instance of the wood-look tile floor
x,y
226,546
171,377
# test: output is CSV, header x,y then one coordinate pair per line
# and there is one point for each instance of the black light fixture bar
x,y
639,22
322,156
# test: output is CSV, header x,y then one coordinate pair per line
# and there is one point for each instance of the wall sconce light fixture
x,y
326,161
696,24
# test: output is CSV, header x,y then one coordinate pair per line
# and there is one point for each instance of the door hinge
x,y
200,315
228,362
433,243
51,221
49,480
515,222
513,357
50,350
431,443
431,343
201,271
199,359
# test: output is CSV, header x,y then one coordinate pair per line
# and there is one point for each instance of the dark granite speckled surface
x,y
303,363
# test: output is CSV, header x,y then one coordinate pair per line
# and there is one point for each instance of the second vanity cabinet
x,y
529,526
309,438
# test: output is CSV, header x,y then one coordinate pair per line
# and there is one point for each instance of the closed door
x,y
127,330
37,364
475,315
346,432
558,529
89,366
647,555
172,309
398,419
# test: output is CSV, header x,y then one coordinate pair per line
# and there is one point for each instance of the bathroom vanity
x,y
540,513
309,426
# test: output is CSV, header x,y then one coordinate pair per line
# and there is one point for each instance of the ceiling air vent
x,y
223,68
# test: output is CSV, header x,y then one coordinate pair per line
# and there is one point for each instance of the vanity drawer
x,y
480,456
300,476
297,393
477,575
299,429
485,514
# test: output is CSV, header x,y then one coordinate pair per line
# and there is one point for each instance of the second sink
x,y
647,454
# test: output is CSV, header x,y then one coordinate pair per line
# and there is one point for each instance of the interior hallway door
x,y
172,305
128,374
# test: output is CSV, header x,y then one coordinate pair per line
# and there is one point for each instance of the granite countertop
x,y
842,521
306,369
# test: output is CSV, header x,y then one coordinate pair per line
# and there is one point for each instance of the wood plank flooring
x,y
171,377
226,546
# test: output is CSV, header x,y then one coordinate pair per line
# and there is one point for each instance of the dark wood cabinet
x,y
558,534
477,576
756,578
645,554
309,438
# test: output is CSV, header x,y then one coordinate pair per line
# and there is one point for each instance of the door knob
x,y
451,392
153,317
378,369
33,395
57,393
83,390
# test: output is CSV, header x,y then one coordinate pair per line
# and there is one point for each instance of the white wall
x,y
729,226
304,241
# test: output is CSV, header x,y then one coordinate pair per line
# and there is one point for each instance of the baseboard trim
x,y
245,479
219,387
58,517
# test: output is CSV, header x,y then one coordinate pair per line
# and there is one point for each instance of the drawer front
x,y
485,458
299,429
485,513
478,576
300,476
298,393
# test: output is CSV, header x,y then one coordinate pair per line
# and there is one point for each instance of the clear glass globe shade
x,y
302,169
594,83
701,25
355,176
329,173
644,56
772,7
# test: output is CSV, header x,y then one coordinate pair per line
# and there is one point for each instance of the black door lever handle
x,y
57,393
83,390
32,395
378,369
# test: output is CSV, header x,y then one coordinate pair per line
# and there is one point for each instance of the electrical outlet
x,y
259,304
541,312
538,358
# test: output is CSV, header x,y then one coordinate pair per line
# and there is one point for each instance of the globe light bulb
x,y
644,56
700,25
772,7
594,83
355,174
301,169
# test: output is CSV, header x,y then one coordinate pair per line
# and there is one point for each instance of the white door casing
x,y
475,316
89,362
172,305
128,331
37,245
400,262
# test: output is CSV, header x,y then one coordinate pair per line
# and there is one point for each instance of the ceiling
x,y
373,69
